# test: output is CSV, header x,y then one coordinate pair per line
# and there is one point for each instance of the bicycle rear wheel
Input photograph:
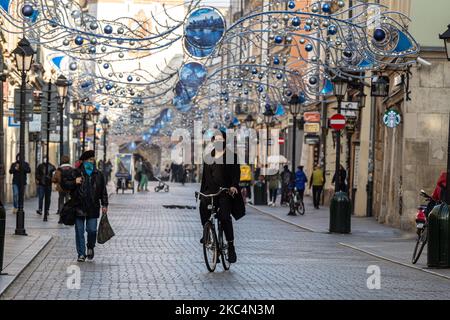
x,y
210,246
292,208
223,250
420,244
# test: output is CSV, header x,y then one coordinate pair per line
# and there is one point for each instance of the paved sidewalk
x,y
367,235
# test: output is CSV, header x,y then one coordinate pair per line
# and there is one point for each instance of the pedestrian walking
x,y
274,181
286,178
15,171
317,182
88,192
145,172
64,171
138,175
300,181
44,175
342,185
108,171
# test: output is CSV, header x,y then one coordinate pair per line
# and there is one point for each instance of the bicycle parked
x,y
422,225
213,235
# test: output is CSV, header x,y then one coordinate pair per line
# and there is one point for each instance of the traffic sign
x,y
281,140
337,122
312,128
311,116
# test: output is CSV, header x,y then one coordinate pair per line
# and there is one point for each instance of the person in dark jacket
x,y
64,171
15,171
220,174
44,175
286,179
342,185
88,192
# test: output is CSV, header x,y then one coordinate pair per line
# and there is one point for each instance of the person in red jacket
x,y
438,193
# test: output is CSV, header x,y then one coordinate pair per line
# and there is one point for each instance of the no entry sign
x,y
337,122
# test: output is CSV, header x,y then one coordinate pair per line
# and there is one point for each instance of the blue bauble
x,y
278,39
326,7
53,23
130,78
260,89
106,65
307,28
92,50
309,47
301,97
296,22
279,76
288,93
254,71
332,30
79,40
379,35
313,81
108,29
348,54
27,10
276,60
108,87
291,4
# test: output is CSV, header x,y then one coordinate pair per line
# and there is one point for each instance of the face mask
x,y
88,167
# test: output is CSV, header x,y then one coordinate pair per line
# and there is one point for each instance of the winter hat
x,y
87,155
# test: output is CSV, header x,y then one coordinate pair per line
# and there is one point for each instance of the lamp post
x,y
379,88
268,116
294,109
24,59
95,117
63,87
446,37
105,127
2,133
249,123
340,86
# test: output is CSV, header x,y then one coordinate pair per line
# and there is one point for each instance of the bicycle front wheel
x,y
420,244
223,250
301,208
210,247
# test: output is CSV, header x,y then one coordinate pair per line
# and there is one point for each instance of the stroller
x,y
161,185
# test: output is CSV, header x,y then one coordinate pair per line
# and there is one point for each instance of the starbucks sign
x,y
392,118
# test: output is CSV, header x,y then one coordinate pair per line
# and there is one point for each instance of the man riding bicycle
x,y
217,173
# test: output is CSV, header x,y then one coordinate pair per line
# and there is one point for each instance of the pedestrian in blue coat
x,y
300,181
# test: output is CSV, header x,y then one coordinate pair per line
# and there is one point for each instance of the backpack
x,y
67,174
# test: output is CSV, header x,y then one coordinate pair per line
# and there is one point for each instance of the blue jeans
x,y
91,229
15,195
44,192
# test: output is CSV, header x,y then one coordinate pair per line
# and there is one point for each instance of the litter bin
x,y
340,213
439,237
260,194
2,234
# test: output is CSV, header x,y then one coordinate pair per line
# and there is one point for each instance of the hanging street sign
x,y
312,139
312,127
35,125
29,103
392,118
338,122
311,116
350,109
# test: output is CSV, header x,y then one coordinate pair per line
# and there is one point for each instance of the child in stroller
x,y
161,185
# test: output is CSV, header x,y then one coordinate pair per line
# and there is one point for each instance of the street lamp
x,y
62,84
295,105
249,123
340,86
95,117
105,127
23,55
2,133
446,37
268,116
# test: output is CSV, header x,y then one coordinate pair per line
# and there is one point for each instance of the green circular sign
x,y
392,118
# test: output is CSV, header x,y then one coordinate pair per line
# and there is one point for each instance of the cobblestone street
x,y
156,255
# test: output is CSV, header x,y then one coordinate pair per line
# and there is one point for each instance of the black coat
x,y
89,195
41,178
216,176
16,173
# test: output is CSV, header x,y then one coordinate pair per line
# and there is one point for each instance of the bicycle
x,y
296,204
213,241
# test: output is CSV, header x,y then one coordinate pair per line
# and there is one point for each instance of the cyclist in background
x,y
300,182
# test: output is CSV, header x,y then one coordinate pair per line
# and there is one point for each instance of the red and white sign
x,y
338,122
311,116
280,140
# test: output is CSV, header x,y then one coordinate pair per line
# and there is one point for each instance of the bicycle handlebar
x,y
198,193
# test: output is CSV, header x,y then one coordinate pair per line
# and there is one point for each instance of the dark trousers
x,y
62,199
284,193
223,203
273,195
44,192
317,192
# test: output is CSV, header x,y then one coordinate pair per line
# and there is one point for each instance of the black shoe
x,y
81,259
45,218
231,253
39,212
90,254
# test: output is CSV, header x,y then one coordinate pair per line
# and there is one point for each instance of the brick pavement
x,y
156,255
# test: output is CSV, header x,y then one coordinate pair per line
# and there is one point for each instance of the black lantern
x,y
340,86
105,123
380,86
23,54
95,116
62,85
268,114
294,105
446,37
249,121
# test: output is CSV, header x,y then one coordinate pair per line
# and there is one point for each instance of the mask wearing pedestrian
x,y
88,167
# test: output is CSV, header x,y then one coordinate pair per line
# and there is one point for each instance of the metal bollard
x,y
2,234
